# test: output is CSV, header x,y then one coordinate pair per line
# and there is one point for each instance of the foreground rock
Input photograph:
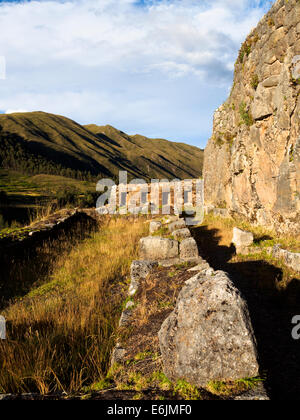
x,y
209,335
157,248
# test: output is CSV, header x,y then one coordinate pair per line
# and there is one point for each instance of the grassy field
x,y
25,197
61,333
16,184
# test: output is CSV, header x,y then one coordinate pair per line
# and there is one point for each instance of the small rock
x,y
242,238
181,234
170,219
154,226
117,356
179,224
139,270
188,249
126,314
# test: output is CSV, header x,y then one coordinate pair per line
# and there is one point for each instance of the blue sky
x,y
158,68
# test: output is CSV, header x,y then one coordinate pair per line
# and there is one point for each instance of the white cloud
x,y
14,111
111,61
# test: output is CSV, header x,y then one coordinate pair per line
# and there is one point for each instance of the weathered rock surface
x,y
252,161
188,249
126,314
139,270
181,234
242,240
291,259
180,224
157,248
154,226
209,335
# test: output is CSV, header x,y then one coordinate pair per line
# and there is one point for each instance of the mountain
x,y
38,142
252,161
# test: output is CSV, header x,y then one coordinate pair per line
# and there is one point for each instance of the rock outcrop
x,y
209,335
252,161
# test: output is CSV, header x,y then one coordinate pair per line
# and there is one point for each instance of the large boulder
x,y
209,335
157,248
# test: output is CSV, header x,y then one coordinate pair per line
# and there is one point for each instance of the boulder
x,y
157,248
188,249
208,336
242,239
154,226
139,270
181,234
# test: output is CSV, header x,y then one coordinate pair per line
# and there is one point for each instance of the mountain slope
x,y
57,145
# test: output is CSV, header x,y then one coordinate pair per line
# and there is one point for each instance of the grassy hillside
x,y
41,143
152,158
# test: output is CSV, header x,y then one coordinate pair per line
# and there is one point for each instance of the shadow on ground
x,y
24,263
271,312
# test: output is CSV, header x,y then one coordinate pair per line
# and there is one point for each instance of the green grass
x,y
233,387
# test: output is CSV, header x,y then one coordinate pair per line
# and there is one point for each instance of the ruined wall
x,y
252,161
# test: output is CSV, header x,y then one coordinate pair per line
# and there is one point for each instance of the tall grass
x,y
61,334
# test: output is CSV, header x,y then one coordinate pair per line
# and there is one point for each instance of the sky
x,y
154,67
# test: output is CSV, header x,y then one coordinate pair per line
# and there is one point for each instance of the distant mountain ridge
x,y
39,142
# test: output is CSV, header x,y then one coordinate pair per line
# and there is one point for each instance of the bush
x,y
245,115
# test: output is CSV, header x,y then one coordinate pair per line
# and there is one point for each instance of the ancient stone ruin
x,y
252,161
209,334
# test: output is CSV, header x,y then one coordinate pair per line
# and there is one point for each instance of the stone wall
x,y
252,161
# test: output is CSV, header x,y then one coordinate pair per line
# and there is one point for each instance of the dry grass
x,y
61,334
220,237
262,235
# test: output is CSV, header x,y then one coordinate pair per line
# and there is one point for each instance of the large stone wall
x,y
252,161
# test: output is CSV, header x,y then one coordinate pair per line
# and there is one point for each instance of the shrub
x,y
245,115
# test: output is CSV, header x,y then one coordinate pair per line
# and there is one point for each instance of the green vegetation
x,y
254,81
246,47
234,387
245,115
224,138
